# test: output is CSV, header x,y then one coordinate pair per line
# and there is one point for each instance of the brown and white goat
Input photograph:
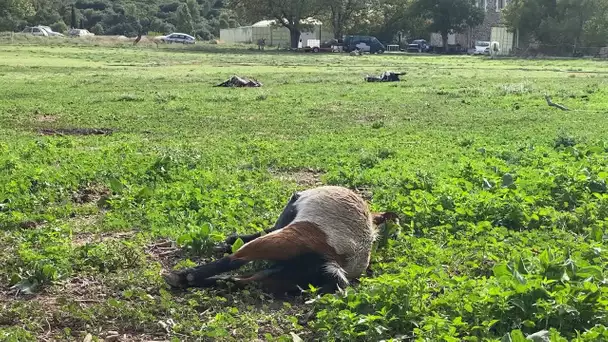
x,y
323,237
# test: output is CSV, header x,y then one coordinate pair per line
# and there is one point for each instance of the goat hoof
x,y
231,240
175,280
222,248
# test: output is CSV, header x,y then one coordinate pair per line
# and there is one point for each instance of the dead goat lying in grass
x,y
323,237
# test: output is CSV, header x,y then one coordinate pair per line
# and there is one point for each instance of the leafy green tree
x,y
561,26
388,19
342,13
11,11
195,10
73,21
184,19
124,17
97,29
59,26
448,16
47,12
595,30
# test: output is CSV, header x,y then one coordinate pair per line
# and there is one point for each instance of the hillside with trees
x,y
202,18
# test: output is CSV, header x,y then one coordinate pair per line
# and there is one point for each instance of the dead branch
x,y
553,104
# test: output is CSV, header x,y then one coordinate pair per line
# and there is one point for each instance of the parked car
x,y
481,48
36,31
51,32
364,44
418,45
79,33
326,46
178,38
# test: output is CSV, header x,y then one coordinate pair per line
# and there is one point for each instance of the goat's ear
x,y
384,216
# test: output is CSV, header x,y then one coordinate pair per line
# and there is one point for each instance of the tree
x,y
184,19
342,13
59,26
286,13
16,8
124,17
448,16
389,19
595,32
561,26
11,11
195,10
47,12
73,22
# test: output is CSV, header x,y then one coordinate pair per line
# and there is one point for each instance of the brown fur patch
x,y
295,239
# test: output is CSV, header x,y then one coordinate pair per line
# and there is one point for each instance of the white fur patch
x,y
334,269
494,48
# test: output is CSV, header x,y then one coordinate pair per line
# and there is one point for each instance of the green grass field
x,y
503,199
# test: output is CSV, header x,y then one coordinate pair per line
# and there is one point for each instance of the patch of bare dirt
x,y
365,118
4,295
82,239
84,291
111,337
91,193
32,224
81,222
46,118
76,131
303,177
166,252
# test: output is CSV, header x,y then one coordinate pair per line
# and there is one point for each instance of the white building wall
x,y
274,35
237,35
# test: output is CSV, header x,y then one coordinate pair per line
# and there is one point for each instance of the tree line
x,y
561,24
202,18
556,25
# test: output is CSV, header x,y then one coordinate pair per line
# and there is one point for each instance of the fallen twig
x,y
553,104
167,253
88,301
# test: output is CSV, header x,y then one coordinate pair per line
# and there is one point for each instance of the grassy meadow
x,y
117,162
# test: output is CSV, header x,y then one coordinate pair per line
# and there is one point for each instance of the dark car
x,y
364,44
418,45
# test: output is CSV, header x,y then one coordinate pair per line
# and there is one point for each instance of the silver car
x,y
35,31
179,38
51,32
42,31
79,33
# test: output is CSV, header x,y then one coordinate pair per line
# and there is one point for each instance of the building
x,y
274,34
492,28
493,18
